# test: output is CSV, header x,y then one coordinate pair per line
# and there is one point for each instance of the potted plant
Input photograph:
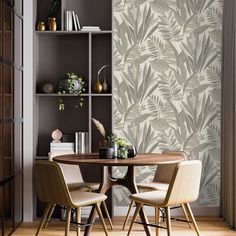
x,y
122,151
70,83
112,143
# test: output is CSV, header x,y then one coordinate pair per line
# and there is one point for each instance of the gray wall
x,y
167,66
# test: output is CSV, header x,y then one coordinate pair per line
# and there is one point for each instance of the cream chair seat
x,y
160,181
74,180
183,189
52,189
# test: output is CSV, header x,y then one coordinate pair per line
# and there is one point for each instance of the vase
x,y
104,86
122,153
52,24
114,146
132,152
40,26
98,86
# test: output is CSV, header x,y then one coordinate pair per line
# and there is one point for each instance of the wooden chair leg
x,y
128,213
43,220
68,216
186,215
97,205
168,221
138,208
157,220
78,216
192,218
49,216
107,214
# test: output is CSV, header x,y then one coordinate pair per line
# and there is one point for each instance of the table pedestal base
x,y
107,181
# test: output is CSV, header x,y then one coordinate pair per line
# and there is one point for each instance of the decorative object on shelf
x,y
52,24
45,87
105,153
41,26
97,86
81,142
101,129
104,83
132,152
70,83
56,135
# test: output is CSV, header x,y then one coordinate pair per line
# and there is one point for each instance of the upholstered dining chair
x,y
74,180
52,189
161,182
183,189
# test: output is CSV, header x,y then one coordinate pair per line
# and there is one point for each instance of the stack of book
x,y
90,28
62,147
71,21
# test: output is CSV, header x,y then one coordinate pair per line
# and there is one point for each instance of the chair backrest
x,y
72,173
185,184
50,183
165,172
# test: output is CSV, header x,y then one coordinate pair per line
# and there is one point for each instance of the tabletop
x,y
139,160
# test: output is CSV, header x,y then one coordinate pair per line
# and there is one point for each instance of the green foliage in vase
x,y
70,83
53,8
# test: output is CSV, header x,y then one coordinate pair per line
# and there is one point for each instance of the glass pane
x,y
1,28
1,81
18,209
1,152
8,92
18,41
18,96
17,146
1,210
8,33
8,204
8,149
18,6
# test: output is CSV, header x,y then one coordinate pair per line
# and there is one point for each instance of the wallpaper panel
x,y
167,90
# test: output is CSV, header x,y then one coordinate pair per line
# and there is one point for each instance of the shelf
x,y
62,32
73,95
56,95
101,95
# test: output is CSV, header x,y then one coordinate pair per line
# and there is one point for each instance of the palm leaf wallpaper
x,y
167,66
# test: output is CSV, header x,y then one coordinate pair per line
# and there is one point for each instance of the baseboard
x,y
197,211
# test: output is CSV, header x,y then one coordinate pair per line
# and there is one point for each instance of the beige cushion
x,y
83,186
79,198
153,186
150,198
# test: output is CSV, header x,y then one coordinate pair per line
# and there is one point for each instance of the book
x,y
74,21
66,20
78,23
90,27
62,144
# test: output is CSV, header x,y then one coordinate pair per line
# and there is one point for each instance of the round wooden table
x,y
107,181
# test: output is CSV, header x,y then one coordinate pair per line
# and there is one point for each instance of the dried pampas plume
x,y
100,127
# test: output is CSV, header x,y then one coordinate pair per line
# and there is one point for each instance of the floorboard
x,y
208,226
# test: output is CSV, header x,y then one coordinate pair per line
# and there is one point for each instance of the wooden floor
x,y
209,226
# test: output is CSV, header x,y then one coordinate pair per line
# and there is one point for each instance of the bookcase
x,y
60,51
